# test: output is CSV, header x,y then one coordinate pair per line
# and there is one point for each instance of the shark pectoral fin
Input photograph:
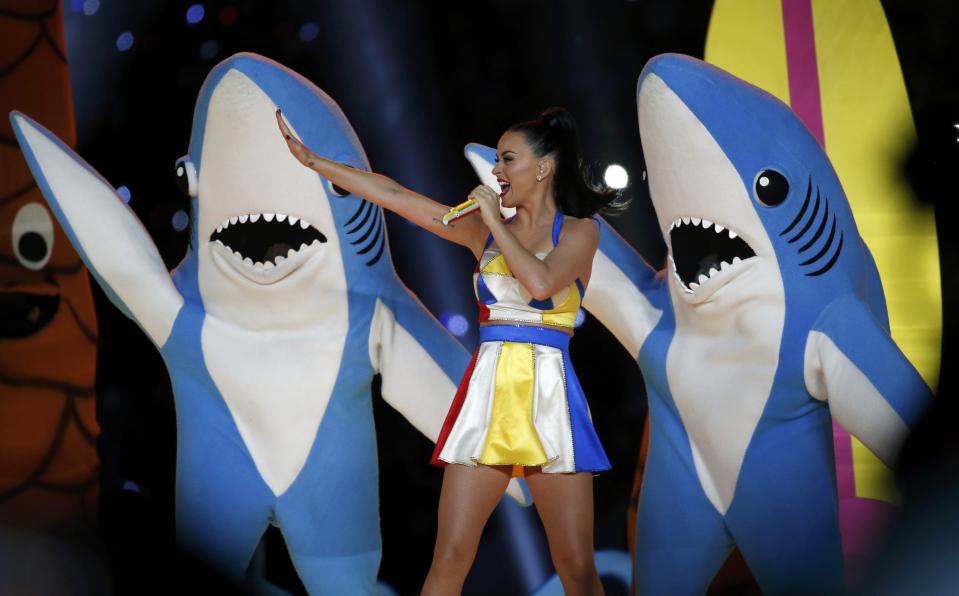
x,y
872,389
419,361
624,292
109,238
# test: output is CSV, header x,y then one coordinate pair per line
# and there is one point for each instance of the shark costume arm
x,y
107,235
624,293
420,364
853,364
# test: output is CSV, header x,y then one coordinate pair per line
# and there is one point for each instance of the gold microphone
x,y
466,207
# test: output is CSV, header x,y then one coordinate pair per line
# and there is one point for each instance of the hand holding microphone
x,y
480,195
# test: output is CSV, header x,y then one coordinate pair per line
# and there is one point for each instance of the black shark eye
x,y
33,236
336,190
186,176
771,188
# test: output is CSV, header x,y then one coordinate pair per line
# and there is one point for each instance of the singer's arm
x,y
469,231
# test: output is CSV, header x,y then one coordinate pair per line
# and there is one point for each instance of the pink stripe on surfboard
x,y
860,520
801,65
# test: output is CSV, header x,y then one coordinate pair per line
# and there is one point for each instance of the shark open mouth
x,y
265,240
24,314
703,250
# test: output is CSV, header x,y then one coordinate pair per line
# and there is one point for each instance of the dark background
x,y
418,80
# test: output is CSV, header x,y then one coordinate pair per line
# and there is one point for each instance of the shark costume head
x,y
743,191
767,323
259,231
272,327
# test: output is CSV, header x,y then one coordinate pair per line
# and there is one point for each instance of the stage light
x,y
180,220
209,49
616,176
124,193
125,41
90,7
455,323
194,14
309,31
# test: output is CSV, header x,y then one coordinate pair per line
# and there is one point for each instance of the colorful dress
x,y
520,402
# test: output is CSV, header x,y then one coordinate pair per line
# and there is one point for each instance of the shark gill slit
x,y
819,230
367,208
832,261
802,210
812,218
355,214
826,246
373,227
381,237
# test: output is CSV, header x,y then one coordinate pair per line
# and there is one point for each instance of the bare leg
x,y
467,499
565,505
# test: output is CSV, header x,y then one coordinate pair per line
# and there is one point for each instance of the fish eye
x,y
336,190
771,188
33,236
186,176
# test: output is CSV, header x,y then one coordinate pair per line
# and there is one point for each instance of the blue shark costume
x,y
768,322
272,327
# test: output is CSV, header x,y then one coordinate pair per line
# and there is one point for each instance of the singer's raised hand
x,y
297,148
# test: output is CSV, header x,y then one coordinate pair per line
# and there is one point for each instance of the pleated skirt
x,y
520,404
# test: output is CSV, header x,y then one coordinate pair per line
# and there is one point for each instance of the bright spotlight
x,y
616,176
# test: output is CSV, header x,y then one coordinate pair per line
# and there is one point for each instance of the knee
x,y
453,558
575,564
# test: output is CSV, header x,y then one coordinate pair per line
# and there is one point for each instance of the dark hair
x,y
554,133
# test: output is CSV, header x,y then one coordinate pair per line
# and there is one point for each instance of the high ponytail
x,y
554,133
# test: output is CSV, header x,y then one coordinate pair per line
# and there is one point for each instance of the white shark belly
x,y
720,377
277,387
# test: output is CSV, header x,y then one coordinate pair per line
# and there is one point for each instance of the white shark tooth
x,y
737,260
254,217
293,219
244,218
304,224
219,229
695,220
290,253
316,242
732,234
724,266
719,228
237,256
220,242
713,271
685,220
268,216
693,286
248,261
280,259
233,220
268,265
702,278
707,223
280,216
258,265
302,246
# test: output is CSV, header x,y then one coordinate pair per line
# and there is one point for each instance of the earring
x,y
539,177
